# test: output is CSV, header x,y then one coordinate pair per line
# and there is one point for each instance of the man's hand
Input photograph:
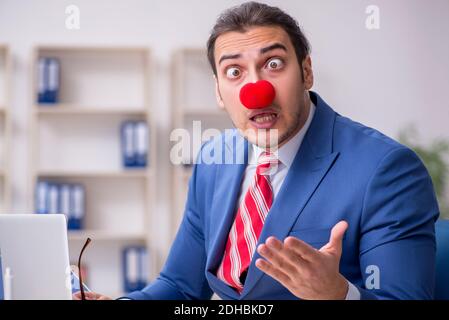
x,y
306,272
90,296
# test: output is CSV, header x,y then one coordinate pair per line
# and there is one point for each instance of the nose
x,y
257,95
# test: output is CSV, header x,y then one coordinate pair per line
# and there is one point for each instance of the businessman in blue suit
x,y
351,211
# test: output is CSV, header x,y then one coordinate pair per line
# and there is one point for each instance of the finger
x,y
289,255
273,272
273,255
91,295
336,238
306,251
274,244
76,296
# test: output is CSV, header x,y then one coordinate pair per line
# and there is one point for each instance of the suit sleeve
x,y
183,276
397,243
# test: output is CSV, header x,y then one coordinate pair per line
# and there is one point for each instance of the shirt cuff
x,y
353,292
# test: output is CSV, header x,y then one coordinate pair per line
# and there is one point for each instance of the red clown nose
x,y
257,95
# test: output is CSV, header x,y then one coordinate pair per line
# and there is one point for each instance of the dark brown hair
x,y
255,14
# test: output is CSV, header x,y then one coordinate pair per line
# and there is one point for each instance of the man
x,y
330,209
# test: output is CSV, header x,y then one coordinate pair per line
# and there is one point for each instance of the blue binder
x,y
134,144
52,93
128,144
42,76
135,268
41,197
64,200
67,199
48,80
53,198
141,143
77,207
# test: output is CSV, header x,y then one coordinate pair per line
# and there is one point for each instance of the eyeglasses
x,y
83,296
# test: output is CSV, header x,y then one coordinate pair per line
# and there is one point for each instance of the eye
x,y
275,64
233,73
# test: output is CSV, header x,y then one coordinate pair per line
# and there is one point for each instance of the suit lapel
x,y
228,182
312,162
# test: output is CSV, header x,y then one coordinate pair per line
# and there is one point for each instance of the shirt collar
x,y
286,154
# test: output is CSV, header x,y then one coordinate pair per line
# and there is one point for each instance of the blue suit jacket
x,y
342,171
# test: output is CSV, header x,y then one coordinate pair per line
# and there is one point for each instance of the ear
x,y
217,94
307,72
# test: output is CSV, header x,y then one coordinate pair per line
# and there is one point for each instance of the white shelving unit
x,y
5,128
77,140
193,100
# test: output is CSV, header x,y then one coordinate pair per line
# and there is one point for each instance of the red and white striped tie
x,y
248,223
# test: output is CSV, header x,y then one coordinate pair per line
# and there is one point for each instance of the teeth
x,y
264,118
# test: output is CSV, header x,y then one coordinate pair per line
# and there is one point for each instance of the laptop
x,y
35,257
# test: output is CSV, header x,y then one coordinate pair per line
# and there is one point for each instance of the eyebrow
x,y
273,47
262,51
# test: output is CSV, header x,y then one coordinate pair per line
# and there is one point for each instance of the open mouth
x,y
264,117
264,120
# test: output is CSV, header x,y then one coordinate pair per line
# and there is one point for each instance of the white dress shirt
x,y
286,154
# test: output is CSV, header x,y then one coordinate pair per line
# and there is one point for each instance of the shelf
x,y
78,141
193,100
101,235
66,109
96,76
83,143
132,173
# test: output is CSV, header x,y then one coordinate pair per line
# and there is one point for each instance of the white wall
x,y
384,78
